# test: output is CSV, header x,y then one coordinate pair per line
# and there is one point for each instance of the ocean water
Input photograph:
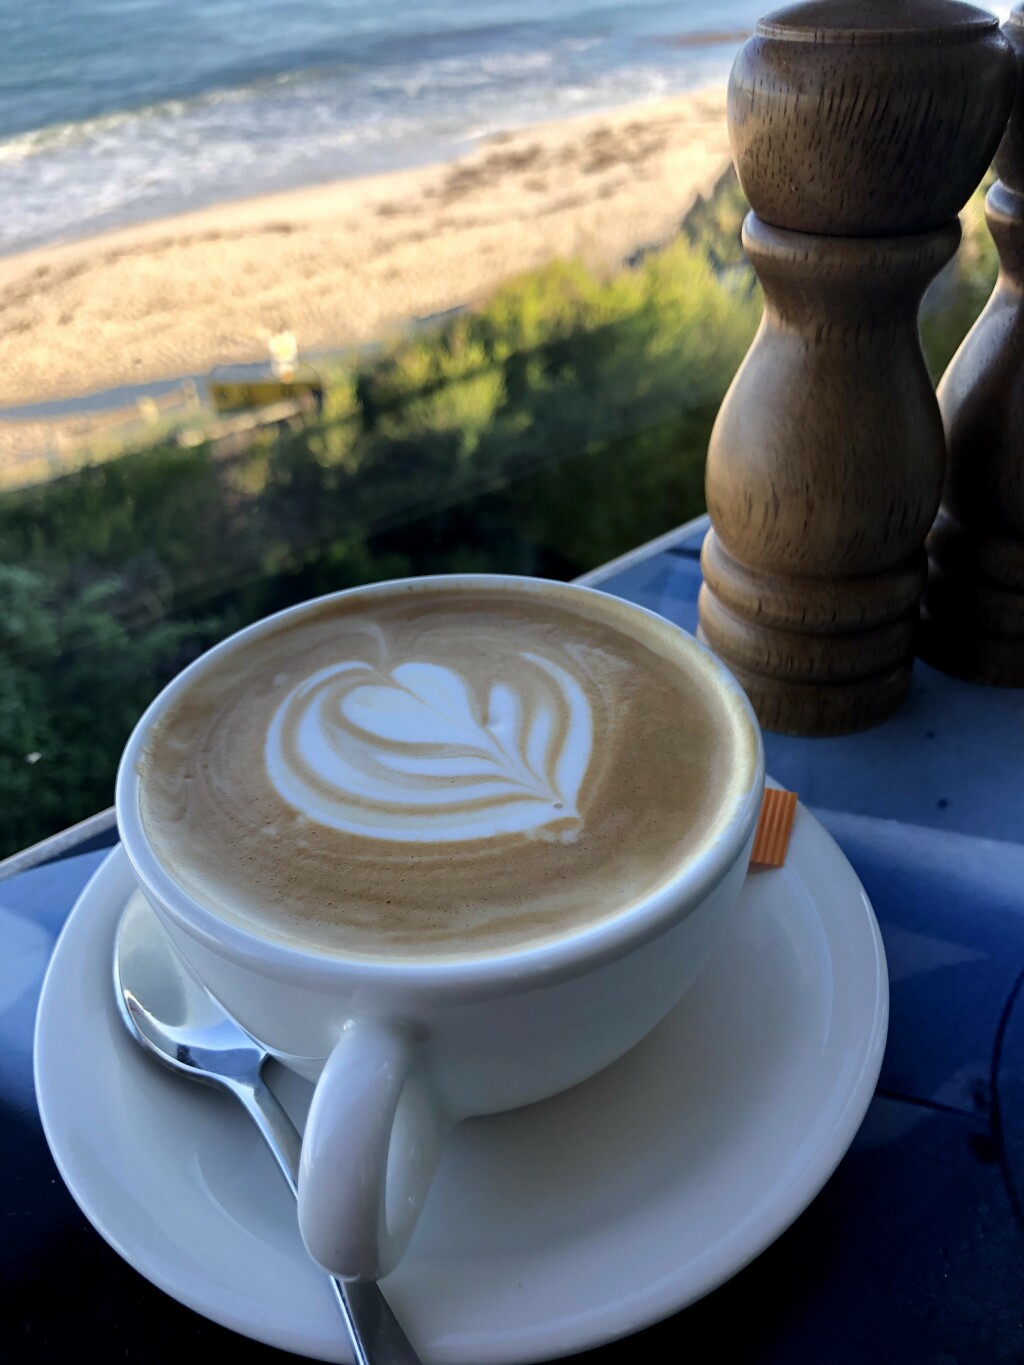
x,y
117,110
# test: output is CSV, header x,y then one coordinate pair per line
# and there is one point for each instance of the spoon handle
x,y
374,1331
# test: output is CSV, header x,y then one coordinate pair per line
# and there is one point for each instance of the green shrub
x,y
561,423
74,680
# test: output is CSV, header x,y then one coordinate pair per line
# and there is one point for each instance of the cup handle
x,y
371,1145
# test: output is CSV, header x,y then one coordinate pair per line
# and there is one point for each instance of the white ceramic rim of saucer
x,y
589,1311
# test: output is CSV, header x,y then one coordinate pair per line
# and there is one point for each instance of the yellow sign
x,y
229,395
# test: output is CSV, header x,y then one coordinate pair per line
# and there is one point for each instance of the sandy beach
x,y
349,261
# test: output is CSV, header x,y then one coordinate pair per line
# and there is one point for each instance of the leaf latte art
x,y
442,767
414,754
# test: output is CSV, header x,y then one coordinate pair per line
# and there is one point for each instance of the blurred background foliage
x,y
555,427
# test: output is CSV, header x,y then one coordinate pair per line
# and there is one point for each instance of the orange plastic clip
x,y
771,841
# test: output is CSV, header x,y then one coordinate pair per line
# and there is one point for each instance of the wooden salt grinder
x,y
973,617
859,129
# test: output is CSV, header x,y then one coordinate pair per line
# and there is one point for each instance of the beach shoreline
x,y
350,261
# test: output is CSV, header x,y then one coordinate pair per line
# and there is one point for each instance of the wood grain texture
x,y
868,117
973,614
860,128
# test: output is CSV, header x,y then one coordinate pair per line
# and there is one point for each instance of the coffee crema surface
x,y
437,772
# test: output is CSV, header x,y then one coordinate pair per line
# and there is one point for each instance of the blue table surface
x,y
913,1252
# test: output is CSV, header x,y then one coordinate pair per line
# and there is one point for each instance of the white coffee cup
x,y
402,1050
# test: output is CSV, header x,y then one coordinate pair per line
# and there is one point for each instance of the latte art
x,y
413,754
441,768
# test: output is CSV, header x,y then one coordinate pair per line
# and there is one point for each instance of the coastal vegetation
x,y
556,426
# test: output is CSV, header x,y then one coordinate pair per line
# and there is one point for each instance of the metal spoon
x,y
168,1010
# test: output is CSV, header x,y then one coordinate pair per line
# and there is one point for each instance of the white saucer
x,y
549,1229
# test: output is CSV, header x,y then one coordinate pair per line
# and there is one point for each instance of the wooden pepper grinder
x,y
973,617
859,129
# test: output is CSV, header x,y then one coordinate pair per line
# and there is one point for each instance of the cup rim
x,y
561,955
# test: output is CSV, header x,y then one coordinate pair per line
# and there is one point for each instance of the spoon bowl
x,y
170,1013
